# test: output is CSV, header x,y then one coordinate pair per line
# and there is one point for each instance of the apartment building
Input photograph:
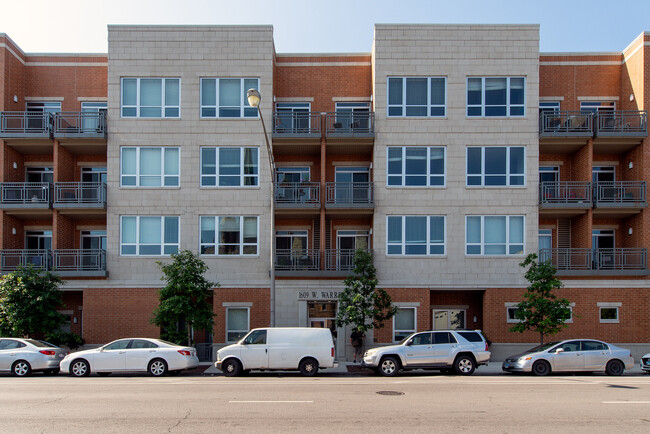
x,y
449,151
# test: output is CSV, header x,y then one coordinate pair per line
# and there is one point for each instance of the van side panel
x,y
288,346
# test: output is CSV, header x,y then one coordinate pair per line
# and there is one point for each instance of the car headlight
x,y
524,359
370,353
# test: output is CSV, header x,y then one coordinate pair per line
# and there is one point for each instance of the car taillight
x,y
332,351
48,352
184,352
486,346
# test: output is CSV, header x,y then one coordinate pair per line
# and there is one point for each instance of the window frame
x,y
403,175
506,243
406,332
508,174
243,102
241,245
616,306
138,106
248,323
403,244
403,106
137,243
217,174
163,175
508,105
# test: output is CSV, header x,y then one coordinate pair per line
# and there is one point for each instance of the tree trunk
x,y
541,338
189,335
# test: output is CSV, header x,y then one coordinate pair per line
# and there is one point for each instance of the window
x,y
416,166
594,346
93,116
236,323
140,344
545,242
226,97
448,319
151,97
117,345
417,96
443,338
229,167
511,313
549,106
609,312
496,96
149,235
597,107
256,337
494,235
353,115
150,167
228,235
495,166
403,323
415,235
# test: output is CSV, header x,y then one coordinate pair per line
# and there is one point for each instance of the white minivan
x,y
279,348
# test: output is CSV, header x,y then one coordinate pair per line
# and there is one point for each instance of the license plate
x,y
506,365
61,355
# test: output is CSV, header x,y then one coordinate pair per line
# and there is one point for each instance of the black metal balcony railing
x,y
64,261
354,194
25,193
340,259
297,194
80,193
25,124
297,259
619,259
350,124
566,123
296,123
565,194
622,123
620,194
10,259
80,124
79,260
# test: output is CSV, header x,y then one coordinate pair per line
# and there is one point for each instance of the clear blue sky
x,y
310,26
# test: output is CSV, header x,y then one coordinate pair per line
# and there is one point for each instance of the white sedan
x,y
155,356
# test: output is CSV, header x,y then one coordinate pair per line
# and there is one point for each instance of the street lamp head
x,y
254,97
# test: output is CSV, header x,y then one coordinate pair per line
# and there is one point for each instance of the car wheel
x,y
21,369
541,368
80,368
389,366
51,372
614,367
308,367
231,368
103,374
157,368
464,365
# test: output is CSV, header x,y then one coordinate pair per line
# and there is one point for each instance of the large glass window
x,y
415,235
149,235
229,167
417,96
237,323
150,167
496,165
151,97
226,97
231,235
416,166
494,235
404,323
496,96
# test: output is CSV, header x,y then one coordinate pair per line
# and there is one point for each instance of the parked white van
x,y
279,348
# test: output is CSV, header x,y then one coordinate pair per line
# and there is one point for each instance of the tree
x,y
29,299
361,304
541,311
185,298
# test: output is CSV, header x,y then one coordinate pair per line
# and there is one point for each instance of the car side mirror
x,y
409,342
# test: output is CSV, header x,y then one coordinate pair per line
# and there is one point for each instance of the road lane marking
x,y
271,402
626,402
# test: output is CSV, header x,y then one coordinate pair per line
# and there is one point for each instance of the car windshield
x,y
543,347
39,343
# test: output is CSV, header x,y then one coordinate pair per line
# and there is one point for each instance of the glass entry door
x,y
291,249
347,242
321,314
96,176
448,319
352,184
602,242
91,244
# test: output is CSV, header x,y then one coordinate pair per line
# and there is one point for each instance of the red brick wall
x,y
73,300
260,311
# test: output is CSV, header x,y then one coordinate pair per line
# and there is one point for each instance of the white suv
x,y
458,350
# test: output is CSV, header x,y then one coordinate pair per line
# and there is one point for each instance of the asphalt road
x,y
272,403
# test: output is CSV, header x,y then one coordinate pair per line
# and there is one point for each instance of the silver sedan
x,y
574,355
21,357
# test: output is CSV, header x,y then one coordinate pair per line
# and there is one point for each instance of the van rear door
x,y
255,350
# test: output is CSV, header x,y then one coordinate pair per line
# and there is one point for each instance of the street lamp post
x,y
254,98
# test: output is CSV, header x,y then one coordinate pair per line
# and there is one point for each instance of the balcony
x,y
25,195
66,263
350,125
622,123
68,195
565,124
564,198
620,194
80,125
296,125
292,261
349,195
25,125
597,262
297,195
340,260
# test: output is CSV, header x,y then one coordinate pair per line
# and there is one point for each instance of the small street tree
x,y
361,304
29,298
541,311
184,299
